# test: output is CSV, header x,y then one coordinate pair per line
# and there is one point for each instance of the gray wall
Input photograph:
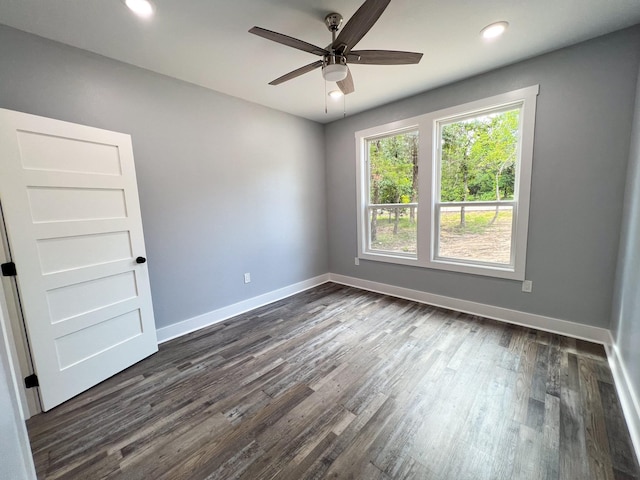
x,y
580,159
226,186
626,308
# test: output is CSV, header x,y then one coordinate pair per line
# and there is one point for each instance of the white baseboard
x,y
540,322
628,398
196,323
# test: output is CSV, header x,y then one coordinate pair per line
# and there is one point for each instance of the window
x,y
471,165
392,176
474,202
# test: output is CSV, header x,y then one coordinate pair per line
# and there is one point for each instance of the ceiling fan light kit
x,y
337,56
335,72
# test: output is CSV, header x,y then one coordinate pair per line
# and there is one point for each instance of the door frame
x,y
17,341
11,367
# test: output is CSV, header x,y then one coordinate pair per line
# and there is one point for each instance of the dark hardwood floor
x,y
341,383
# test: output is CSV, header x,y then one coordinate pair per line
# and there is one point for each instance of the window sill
x,y
506,272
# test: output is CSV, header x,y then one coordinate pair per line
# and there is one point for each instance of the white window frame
x,y
365,186
428,126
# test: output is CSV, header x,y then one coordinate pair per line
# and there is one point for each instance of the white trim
x,y
9,362
18,346
531,320
626,394
516,317
363,188
216,316
428,127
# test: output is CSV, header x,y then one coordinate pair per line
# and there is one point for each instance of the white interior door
x,y
70,202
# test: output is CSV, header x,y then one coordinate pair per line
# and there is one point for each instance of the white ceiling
x,y
206,42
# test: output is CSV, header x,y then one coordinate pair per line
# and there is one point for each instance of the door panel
x,y
69,204
62,154
76,299
70,201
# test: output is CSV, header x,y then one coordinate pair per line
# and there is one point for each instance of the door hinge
x,y
9,269
31,381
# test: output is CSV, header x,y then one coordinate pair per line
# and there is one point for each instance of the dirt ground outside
x,y
481,240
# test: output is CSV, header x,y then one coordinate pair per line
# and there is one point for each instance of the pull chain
x,y
325,98
344,106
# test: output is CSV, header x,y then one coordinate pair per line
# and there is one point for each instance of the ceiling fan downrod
x,y
334,68
333,22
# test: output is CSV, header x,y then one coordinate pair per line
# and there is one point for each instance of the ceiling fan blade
x,y
358,25
297,72
288,41
346,85
383,57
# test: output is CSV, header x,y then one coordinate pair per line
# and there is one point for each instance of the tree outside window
x,y
393,192
477,174
450,189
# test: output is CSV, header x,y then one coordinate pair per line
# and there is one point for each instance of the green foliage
x,y
478,158
392,168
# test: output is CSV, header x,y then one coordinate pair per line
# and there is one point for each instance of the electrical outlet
x,y
357,261
247,278
527,286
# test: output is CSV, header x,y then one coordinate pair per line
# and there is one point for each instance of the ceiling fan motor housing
x,y
335,60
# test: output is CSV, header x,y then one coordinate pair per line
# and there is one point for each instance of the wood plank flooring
x,y
337,382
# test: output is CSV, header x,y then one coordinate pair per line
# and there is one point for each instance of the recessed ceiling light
x,y
494,30
335,94
142,8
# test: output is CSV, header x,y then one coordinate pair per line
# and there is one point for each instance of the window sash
x,y
377,206
436,233
467,261
368,207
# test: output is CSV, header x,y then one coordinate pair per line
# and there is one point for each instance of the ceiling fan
x,y
339,53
